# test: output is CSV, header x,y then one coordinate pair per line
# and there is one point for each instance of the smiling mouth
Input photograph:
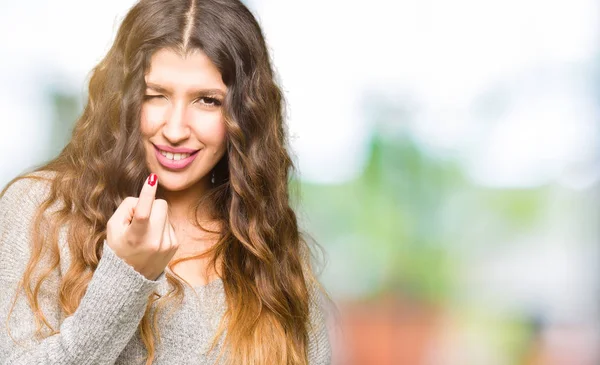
x,y
175,156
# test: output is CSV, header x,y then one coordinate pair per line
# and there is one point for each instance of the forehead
x,y
173,70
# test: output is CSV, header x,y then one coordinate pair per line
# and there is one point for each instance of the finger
x,y
158,217
166,237
174,242
143,208
124,212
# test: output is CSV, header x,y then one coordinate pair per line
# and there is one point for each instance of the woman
x,y
163,232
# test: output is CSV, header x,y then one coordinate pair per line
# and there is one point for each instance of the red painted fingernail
x,y
152,179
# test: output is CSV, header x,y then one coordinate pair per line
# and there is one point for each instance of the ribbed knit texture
x,y
104,328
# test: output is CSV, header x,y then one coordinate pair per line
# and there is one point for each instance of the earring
x,y
212,179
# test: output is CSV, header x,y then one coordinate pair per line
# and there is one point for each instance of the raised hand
x,y
139,232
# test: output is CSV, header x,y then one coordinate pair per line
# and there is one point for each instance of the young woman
x,y
163,232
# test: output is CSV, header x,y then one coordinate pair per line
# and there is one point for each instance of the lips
x,y
175,149
175,158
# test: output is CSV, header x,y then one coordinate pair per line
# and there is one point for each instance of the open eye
x,y
209,101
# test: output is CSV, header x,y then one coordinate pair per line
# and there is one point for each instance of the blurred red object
x,y
389,331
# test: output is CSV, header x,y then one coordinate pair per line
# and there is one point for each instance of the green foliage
x,y
397,227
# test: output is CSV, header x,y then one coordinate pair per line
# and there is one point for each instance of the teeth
x,y
175,156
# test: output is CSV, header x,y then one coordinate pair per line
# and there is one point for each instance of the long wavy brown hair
x,y
266,269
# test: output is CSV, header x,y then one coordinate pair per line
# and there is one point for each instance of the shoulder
x,y
325,332
322,305
26,191
21,199
18,205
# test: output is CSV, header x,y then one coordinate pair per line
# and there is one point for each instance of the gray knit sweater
x,y
104,328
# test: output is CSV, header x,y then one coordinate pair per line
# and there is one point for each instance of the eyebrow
x,y
164,90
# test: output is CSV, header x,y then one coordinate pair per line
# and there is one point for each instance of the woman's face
x,y
182,120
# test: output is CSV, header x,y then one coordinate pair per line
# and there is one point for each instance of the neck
x,y
192,241
182,203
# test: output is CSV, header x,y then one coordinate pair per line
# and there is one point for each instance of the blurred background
x,y
448,155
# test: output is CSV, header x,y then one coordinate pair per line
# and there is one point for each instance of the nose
x,y
176,129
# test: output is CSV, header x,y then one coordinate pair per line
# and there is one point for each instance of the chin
x,y
172,183
176,181
171,186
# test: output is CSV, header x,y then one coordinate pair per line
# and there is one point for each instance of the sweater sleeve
x,y
326,344
108,314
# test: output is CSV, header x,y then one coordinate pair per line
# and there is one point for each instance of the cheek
x,y
212,131
220,131
150,119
